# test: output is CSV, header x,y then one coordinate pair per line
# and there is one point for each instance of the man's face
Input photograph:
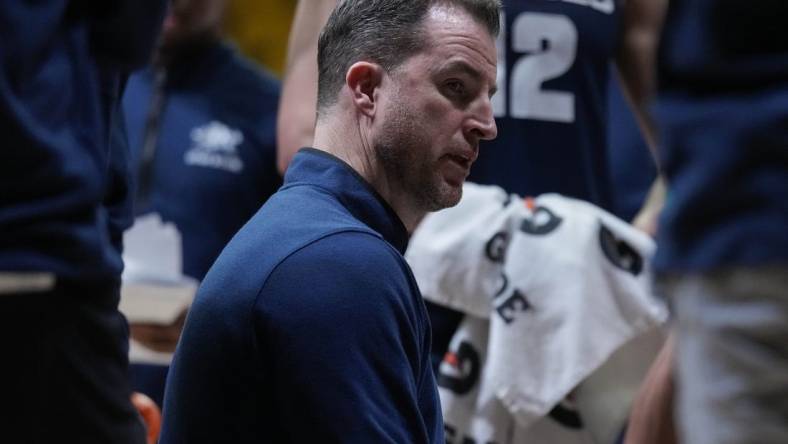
x,y
191,20
436,110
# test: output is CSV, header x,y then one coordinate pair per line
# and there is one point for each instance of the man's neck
x,y
351,146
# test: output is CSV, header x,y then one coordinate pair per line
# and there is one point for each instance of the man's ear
x,y
363,79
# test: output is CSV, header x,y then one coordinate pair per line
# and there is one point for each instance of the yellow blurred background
x,y
260,29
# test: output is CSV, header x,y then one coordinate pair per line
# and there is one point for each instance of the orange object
x,y
151,415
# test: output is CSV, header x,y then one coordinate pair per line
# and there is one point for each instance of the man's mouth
x,y
461,167
464,161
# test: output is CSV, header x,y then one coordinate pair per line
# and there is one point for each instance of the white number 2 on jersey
x,y
548,43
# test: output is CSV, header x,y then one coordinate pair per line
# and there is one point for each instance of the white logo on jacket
x,y
215,145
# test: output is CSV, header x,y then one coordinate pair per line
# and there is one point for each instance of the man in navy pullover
x,y
201,123
310,326
64,202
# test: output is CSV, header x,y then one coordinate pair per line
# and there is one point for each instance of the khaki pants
x,y
732,359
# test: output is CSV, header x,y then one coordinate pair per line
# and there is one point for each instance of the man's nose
x,y
482,124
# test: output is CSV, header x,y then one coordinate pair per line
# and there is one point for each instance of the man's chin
x,y
447,197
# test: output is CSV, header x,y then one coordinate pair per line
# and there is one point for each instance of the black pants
x,y
64,365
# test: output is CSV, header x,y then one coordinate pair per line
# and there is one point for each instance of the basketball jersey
x,y
551,104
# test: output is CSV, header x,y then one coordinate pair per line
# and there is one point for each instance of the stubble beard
x,y
403,150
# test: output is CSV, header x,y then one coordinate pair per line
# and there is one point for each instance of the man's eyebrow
x,y
468,69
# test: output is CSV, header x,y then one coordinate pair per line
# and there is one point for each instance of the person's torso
x,y
57,96
226,319
215,158
550,107
722,108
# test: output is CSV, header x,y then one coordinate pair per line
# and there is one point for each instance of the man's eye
x,y
456,87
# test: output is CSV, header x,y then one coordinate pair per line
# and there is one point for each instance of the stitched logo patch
x,y
215,145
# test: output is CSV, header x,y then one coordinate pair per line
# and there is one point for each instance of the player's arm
x,y
636,58
651,421
346,344
646,219
297,106
636,62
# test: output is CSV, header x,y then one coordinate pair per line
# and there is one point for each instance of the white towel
x,y
554,287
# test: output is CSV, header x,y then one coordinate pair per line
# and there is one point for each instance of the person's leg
x,y
65,376
732,356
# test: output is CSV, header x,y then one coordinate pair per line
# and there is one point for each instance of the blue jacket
x,y
63,179
309,327
215,159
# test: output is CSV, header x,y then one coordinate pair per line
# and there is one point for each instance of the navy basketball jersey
x,y
551,104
